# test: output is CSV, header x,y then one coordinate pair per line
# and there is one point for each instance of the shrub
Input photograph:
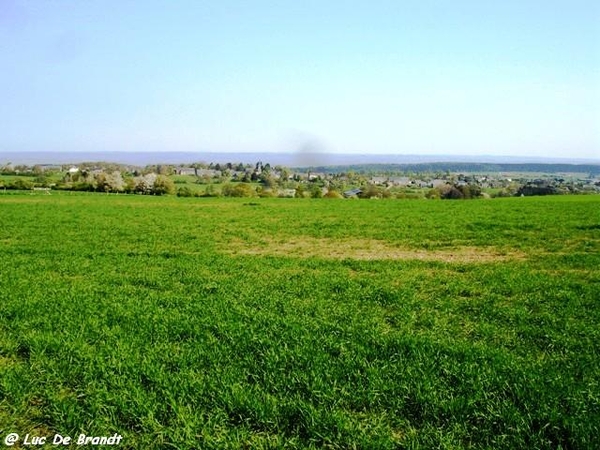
x,y
20,184
433,194
316,192
531,189
184,191
371,191
266,193
333,194
239,190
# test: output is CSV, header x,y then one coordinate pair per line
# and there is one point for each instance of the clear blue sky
x,y
403,77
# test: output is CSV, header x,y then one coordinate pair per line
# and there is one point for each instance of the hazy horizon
x,y
274,158
461,79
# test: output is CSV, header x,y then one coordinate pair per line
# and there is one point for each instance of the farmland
x,y
301,323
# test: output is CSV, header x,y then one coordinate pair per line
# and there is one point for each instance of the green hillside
x,y
273,323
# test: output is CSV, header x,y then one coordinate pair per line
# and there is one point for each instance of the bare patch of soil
x,y
365,249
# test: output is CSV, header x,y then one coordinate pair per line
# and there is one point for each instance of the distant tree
x,y
42,180
267,179
316,192
163,185
130,185
7,169
225,175
469,190
20,184
300,191
167,169
540,189
450,192
145,184
284,175
115,181
100,182
465,190
238,190
204,179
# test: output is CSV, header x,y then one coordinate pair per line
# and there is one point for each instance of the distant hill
x,y
463,167
330,162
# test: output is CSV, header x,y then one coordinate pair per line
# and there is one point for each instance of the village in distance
x,y
426,180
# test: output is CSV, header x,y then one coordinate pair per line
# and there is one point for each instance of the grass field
x,y
284,323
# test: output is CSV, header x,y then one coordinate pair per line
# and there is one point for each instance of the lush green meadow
x,y
284,323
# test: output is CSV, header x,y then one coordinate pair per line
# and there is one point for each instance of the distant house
x,y
315,175
73,169
287,193
186,171
353,192
208,173
51,167
379,180
399,181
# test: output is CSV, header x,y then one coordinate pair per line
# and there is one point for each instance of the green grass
x,y
143,316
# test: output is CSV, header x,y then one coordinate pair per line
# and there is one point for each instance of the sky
x,y
416,77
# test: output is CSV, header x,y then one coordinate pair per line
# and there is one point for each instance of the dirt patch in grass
x,y
365,249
